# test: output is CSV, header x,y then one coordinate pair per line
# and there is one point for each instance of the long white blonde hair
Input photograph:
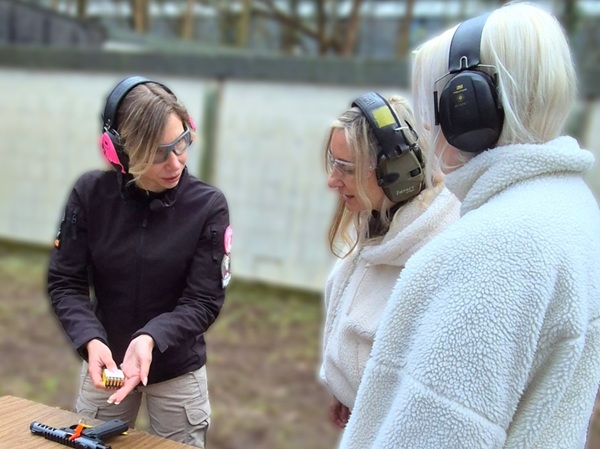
x,y
537,83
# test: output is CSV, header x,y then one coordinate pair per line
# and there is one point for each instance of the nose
x,y
334,180
173,161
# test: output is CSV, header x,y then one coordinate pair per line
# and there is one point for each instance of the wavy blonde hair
x,y
349,229
141,118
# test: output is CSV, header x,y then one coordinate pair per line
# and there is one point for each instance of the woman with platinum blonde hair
x,y
385,214
491,337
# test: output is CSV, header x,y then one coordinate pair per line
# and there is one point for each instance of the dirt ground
x,y
263,357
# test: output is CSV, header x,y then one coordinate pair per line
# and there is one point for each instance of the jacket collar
x,y
413,225
492,171
130,192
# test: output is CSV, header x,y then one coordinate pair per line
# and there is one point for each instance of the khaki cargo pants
x,y
178,409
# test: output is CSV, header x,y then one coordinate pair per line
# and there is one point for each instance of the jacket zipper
x,y
74,225
139,263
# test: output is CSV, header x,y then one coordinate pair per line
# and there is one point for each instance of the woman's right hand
x,y
338,413
99,357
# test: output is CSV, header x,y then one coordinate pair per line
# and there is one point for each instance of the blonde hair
x,y
351,228
537,83
142,117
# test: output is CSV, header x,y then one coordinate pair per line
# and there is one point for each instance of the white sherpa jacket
x,y
360,284
491,338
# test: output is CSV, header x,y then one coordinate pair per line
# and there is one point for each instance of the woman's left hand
x,y
338,413
135,366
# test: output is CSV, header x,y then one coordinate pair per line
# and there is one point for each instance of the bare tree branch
x,y
325,42
275,13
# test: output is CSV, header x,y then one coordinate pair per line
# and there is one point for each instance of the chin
x,y
354,207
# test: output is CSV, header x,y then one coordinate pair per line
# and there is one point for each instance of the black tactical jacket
x,y
127,263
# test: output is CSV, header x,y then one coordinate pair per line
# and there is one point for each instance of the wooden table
x,y
17,414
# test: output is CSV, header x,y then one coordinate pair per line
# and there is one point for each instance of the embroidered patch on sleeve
x,y
225,270
228,240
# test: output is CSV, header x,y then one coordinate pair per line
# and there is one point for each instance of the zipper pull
x,y
215,245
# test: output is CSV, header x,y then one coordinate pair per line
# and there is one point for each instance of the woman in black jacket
x,y
139,267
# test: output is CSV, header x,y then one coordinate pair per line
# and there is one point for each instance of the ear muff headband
x,y
399,163
469,110
110,141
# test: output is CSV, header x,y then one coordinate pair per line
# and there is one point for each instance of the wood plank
x,y
16,415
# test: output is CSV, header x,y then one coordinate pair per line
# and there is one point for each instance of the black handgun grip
x,y
106,430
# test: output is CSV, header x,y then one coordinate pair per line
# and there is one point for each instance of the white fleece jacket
x,y
359,286
491,338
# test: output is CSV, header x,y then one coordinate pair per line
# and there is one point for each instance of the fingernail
x,y
109,401
145,381
117,403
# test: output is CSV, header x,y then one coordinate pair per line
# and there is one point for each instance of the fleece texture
x,y
359,286
491,337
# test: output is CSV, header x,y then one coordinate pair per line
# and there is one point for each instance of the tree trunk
x,y
403,39
140,15
290,34
243,31
353,29
81,9
187,21
321,27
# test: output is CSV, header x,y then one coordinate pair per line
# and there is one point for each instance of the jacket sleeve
x,y
203,296
68,279
328,293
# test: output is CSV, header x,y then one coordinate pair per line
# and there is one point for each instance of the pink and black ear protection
x,y
110,141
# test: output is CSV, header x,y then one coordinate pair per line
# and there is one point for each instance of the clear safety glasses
x,y
178,146
344,168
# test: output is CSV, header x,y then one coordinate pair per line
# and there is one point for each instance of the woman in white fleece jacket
x,y
491,338
379,234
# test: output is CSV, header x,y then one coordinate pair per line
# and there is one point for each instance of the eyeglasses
x,y
178,147
344,168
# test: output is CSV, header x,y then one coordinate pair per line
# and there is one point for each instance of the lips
x,y
172,180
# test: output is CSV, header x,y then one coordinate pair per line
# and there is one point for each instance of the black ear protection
x,y
400,164
469,110
110,141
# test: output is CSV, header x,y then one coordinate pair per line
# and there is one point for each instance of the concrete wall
x,y
269,160
271,166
